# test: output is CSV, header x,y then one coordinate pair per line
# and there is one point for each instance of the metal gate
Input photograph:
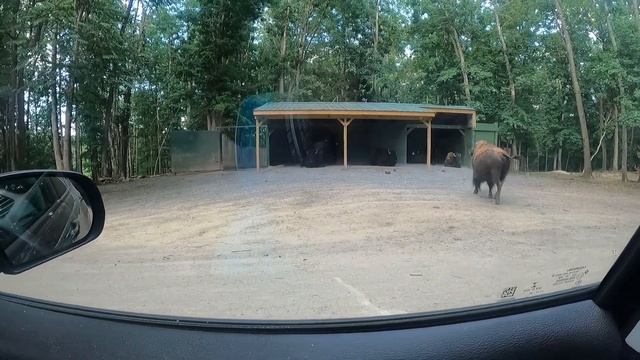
x,y
196,151
216,150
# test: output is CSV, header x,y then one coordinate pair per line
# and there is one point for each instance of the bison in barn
x,y
384,157
453,160
491,165
316,156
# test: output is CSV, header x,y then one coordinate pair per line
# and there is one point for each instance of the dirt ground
x,y
290,242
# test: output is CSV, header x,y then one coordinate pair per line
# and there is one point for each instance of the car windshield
x,y
304,159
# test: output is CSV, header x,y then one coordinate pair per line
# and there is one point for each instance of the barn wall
x,y
444,141
367,135
358,143
390,134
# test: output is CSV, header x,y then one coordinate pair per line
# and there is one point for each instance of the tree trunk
x,y
376,39
135,166
55,133
210,121
622,96
4,141
512,87
27,122
602,134
303,41
463,66
130,169
625,143
514,152
10,136
127,16
559,159
107,142
632,144
21,128
13,136
156,164
616,137
555,160
112,154
283,52
78,148
66,139
297,76
546,160
584,131
636,14
94,162
124,134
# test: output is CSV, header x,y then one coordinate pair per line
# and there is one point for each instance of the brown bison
x,y
452,160
491,164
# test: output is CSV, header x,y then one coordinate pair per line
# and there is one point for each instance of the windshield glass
x,y
301,159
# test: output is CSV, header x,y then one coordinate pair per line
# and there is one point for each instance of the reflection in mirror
x,y
41,215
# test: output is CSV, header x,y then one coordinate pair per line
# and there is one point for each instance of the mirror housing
x,y
44,214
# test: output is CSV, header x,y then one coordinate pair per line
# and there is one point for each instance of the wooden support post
x,y
344,144
345,125
428,125
258,124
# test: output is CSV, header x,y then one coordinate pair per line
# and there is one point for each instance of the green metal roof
x,y
354,106
452,107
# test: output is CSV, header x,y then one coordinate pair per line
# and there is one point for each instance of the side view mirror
x,y
44,214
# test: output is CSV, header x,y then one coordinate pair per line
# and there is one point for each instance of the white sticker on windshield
x,y
534,289
508,292
572,276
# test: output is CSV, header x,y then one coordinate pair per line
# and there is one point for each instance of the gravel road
x,y
290,242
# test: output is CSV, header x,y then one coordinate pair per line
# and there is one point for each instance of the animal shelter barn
x,y
355,132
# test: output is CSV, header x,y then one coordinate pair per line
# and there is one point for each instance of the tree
x,y
507,63
586,147
55,121
223,31
621,94
127,73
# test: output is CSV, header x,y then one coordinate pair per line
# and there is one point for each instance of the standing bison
x,y
452,160
491,164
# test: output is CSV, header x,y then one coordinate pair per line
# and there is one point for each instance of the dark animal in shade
x,y
491,165
316,156
384,157
453,160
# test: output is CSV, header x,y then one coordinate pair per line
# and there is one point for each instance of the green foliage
x,y
188,64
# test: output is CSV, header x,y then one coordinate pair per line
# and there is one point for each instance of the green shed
x,y
486,132
482,131
354,131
